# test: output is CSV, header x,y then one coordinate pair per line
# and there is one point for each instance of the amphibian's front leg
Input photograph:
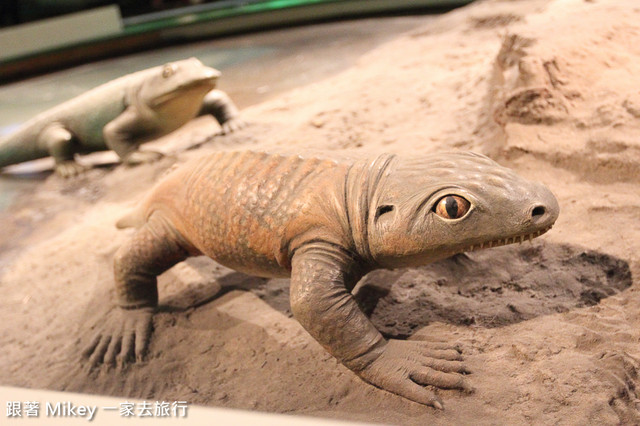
x,y
218,104
61,145
124,135
154,248
321,303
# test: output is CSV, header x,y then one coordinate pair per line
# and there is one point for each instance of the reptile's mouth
x,y
504,241
211,81
207,84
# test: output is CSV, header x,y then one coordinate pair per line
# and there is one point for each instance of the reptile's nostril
x,y
538,211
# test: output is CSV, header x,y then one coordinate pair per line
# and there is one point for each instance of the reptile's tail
x,y
13,150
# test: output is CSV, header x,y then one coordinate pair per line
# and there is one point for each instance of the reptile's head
x,y
431,208
186,81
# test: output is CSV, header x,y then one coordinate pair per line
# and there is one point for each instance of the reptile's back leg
x,y
61,144
153,249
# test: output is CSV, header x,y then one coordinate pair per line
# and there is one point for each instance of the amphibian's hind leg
x,y
218,104
61,145
153,249
125,132
321,303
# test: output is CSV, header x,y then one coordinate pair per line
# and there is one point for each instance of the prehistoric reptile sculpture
x,y
120,115
325,224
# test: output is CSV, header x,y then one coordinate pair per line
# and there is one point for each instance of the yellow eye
x,y
451,207
168,70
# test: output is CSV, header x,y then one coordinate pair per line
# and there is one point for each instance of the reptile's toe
x,y
112,351
127,349
430,377
97,356
232,125
431,343
446,366
447,354
143,336
69,169
417,393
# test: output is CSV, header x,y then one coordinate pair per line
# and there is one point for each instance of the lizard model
x,y
120,115
325,224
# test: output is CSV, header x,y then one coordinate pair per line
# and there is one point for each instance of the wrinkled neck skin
x,y
391,208
361,186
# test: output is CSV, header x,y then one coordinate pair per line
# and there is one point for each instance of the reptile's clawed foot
x,y
70,168
140,157
406,367
124,335
232,125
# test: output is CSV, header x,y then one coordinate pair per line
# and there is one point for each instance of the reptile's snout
x,y
544,211
212,74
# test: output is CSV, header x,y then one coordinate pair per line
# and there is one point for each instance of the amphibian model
x,y
120,115
325,224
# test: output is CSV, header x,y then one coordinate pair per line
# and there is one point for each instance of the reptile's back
x,y
244,208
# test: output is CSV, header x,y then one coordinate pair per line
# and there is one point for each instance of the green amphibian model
x,y
325,224
120,115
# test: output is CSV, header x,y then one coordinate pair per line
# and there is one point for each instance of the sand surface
x,y
550,329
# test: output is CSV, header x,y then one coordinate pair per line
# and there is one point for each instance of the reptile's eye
x,y
168,70
451,207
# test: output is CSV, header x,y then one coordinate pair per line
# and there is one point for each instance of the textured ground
x,y
551,329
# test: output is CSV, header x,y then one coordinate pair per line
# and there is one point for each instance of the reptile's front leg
x,y
220,105
123,135
321,303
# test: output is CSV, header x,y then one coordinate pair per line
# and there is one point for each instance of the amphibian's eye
x,y
168,70
451,207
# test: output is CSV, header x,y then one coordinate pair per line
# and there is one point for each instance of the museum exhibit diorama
x,y
333,211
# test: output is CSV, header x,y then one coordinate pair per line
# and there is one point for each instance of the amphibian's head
x,y
429,208
186,81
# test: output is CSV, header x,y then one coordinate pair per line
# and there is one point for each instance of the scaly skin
x,y
120,115
325,224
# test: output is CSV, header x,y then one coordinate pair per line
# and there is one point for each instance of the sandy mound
x,y
551,330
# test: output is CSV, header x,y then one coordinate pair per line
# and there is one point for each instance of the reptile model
x,y
120,115
325,224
